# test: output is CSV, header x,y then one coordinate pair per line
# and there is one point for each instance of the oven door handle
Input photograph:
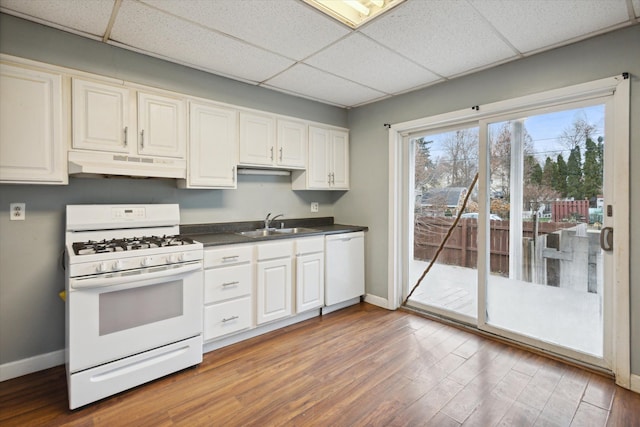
x,y
167,273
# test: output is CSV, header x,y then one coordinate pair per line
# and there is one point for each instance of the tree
x,y
574,174
548,172
461,149
592,170
532,170
577,134
560,176
423,164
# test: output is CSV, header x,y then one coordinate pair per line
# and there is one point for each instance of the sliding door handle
x,y
606,239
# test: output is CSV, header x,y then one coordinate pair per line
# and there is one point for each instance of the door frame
x,y
617,86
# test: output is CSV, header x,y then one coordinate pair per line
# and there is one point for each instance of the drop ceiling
x,y
288,46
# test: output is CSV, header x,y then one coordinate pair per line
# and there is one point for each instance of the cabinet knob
x,y
229,319
142,138
126,130
271,153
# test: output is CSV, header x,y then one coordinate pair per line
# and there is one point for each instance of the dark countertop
x,y
217,234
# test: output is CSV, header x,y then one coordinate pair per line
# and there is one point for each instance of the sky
x,y
544,129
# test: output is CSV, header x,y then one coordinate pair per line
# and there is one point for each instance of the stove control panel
x,y
124,263
128,213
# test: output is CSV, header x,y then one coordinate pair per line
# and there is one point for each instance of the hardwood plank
x,y
363,365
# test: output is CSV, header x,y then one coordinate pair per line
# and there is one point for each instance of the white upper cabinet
x,y
213,146
257,139
161,126
32,127
328,161
269,142
107,118
291,144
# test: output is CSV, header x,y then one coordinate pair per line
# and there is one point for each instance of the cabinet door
x,y
257,139
309,281
100,117
273,290
213,146
32,142
318,166
161,126
339,160
291,144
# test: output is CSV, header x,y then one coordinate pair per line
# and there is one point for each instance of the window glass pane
x,y
444,166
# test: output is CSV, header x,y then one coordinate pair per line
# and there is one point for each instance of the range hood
x,y
99,163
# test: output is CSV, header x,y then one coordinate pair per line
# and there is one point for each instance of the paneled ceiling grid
x,y
288,46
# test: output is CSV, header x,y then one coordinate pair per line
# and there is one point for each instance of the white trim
x,y
621,293
379,301
22,367
617,85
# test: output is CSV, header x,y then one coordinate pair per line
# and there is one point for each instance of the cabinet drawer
x,y
227,282
274,250
227,317
309,245
228,255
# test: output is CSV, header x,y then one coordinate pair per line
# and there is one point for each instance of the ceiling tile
x,y
360,59
86,16
446,37
312,83
156,32
533,25
287,27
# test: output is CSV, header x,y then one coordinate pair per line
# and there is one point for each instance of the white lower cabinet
x,y
228,290
309,273
273,281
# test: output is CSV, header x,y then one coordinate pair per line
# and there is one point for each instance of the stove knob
x,y
172,259
181,257
146,261
117,265
102,267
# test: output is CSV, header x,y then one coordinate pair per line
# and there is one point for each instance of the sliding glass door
x,y
544,175
522,258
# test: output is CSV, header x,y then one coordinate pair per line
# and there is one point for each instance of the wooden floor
x,y
359,366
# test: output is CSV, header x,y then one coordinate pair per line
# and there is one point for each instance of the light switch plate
x,y
17,211
314,206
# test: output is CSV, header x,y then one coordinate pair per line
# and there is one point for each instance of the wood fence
x,y
462,247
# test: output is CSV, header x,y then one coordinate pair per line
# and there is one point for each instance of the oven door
x,y
112,317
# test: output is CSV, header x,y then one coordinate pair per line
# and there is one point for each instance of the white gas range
x,y
133,298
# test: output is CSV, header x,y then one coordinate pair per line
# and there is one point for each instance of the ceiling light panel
x,y
89,17
164,35
353,13
360,59
446,37
286,27
312,83
533,25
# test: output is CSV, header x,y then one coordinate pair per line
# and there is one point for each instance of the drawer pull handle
x,y
229,319
230,283
230,258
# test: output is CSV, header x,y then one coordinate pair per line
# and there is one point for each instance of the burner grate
x,y
128,244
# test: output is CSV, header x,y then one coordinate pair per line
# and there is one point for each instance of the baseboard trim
x,y
376,300
32,364
635,383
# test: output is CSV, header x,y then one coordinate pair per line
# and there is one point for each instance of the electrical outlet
x,y
314,206
17,211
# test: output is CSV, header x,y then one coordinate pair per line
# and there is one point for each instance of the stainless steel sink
x,y
276,232
296,230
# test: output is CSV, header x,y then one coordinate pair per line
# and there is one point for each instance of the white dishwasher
x,y
344,269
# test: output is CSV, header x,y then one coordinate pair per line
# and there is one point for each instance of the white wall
x,y
367,202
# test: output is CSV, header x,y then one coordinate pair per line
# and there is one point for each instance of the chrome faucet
x,y
268,220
